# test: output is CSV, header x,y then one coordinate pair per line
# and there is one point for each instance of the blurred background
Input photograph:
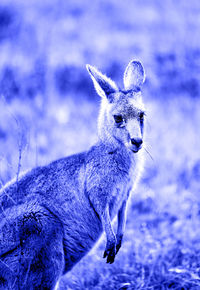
x,y
49,109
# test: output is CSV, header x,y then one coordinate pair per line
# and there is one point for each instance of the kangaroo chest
x,y
121,191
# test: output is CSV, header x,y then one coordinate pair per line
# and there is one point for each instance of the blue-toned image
x,y
99,144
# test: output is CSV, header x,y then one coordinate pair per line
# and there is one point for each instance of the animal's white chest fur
x,y
136,170
124,187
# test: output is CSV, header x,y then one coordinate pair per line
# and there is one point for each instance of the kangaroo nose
x,y
136,141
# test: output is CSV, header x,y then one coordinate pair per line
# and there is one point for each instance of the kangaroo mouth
x,y
136,149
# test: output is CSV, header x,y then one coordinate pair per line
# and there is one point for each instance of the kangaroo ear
x,y
103,85
134,75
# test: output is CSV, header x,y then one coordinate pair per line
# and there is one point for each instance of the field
x,y
49,109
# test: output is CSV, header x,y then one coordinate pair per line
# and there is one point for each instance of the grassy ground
x,y
48,109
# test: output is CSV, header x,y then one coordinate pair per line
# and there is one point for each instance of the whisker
x,y
148,153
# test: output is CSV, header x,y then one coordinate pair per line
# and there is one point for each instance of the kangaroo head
x,y
121,117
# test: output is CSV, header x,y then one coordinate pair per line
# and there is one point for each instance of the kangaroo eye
x,y
118,119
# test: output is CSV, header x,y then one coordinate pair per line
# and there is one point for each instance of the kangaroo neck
x,y
111,143
114,147
108,140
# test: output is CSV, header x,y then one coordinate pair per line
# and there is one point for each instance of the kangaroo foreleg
x,y
110,250
121,225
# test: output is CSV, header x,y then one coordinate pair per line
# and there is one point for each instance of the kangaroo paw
x,y
110,253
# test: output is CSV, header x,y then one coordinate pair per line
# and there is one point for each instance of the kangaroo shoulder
x,y
106,166
101,156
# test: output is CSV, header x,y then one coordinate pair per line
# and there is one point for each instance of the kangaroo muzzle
x,y
136,144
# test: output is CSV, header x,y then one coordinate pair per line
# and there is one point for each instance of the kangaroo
x,y
53,215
